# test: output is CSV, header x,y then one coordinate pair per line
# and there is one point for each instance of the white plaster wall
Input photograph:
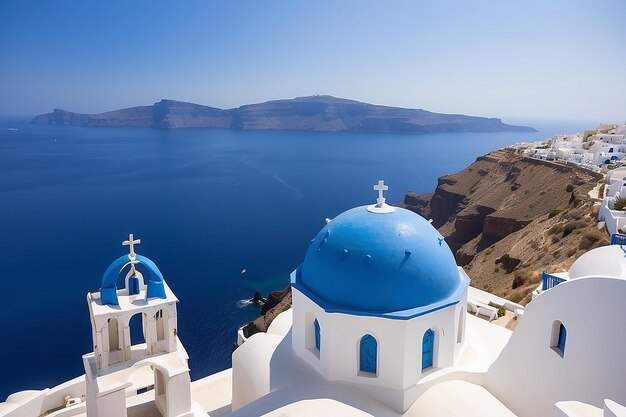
x,y
613,409
616,188
251,368
399,358
616,175
614,219
530,377
41,402
178,393
111,405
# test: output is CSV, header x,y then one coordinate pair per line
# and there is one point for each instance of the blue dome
x,y
380,263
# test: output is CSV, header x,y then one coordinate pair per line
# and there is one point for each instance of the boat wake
x,y
244,303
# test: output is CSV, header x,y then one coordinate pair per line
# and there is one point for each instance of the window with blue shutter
x,y
368,354
316,325
428,344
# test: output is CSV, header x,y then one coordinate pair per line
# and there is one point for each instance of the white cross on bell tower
x,y
381,206
132,242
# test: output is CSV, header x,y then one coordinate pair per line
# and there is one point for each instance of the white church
x,y
379,326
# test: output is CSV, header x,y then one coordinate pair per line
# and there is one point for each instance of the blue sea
x,y
206,203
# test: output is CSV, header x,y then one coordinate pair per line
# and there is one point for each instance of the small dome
x,y
605,261
380,263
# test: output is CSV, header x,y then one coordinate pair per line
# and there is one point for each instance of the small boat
x,y
243,271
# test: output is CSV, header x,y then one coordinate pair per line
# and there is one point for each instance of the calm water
x,y
205,203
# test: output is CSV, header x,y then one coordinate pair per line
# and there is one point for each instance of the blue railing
x,y
618,239
548,281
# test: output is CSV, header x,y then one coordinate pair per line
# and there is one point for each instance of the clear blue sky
x,y
560,60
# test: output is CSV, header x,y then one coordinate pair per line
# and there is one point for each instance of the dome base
x,y
382,208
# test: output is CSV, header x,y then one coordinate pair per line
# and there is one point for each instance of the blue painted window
x,y
611,150
562,336
368,352
428,344
316,324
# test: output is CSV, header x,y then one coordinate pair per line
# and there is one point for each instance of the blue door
x,y
133,285
317,334
428,343
368,352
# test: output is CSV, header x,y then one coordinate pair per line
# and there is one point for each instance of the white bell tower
x,y
116,369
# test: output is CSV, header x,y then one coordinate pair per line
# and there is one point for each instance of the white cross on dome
x,y
380,206
381,188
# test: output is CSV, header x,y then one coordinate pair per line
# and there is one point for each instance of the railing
x,y
548,281
618,239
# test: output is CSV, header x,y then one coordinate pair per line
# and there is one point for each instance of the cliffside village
x,y
593,149
602,150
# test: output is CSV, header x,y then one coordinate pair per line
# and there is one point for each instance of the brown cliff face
x,y
487,211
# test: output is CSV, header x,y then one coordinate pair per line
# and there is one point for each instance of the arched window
x,y
559,336
114,335
318,340
133,285
368,352
428,344
135,324
160,325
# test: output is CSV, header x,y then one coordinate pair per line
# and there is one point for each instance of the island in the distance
x,y
314,113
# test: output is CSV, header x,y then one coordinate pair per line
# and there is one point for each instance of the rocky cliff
x,y
276,303
507,218
315,113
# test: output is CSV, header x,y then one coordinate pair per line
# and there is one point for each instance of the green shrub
x,y
517,297
589,239
573,225
501,309
575,214
620,204
557,228
554,212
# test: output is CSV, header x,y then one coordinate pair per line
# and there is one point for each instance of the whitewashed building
x,y
378,328
615,188
604,145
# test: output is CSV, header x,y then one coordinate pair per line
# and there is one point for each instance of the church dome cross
x,y
381,206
